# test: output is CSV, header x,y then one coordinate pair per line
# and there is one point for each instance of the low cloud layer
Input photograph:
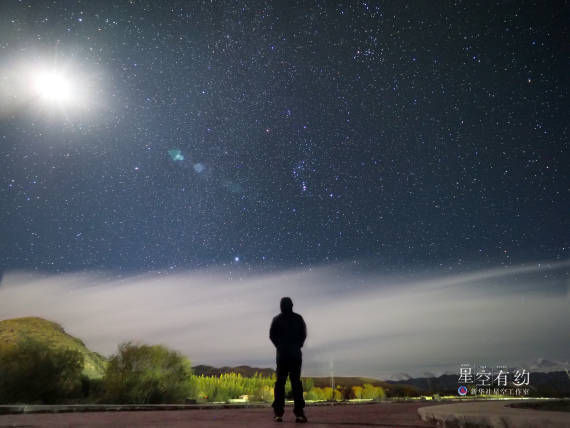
x,y
364,325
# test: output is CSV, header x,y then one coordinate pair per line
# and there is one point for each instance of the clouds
x,y
384,326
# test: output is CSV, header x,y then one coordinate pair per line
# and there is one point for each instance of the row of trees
x,y
367,391
232,385
33,372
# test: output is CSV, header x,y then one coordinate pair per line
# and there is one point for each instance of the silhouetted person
x,y
288,333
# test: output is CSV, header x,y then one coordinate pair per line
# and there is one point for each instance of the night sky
x,y
395,137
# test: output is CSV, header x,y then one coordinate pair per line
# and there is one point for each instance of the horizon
x,y
368,332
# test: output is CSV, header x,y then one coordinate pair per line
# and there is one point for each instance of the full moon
x,y
53,87
49,88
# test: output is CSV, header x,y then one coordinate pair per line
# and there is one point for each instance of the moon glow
x,y
53,87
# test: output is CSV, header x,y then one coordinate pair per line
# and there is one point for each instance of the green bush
x,y
356,392
265,393
31,371
308,383
312,395
316,394
372,392
145,374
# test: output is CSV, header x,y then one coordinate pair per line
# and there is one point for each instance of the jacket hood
x,y
286,305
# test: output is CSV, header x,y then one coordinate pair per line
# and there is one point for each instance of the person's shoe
x,y
278,418
301,419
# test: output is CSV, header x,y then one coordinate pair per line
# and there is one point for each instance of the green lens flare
x,y
176,155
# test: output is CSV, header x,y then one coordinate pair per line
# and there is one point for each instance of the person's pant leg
x,y
279,390
297,386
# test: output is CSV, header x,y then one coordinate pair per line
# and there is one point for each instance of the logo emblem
x,y
462,390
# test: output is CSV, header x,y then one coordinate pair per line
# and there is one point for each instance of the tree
x,y
308,384
372,392
147,374
356,392
31,371
316,394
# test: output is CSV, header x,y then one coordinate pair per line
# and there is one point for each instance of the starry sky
x,y
383,137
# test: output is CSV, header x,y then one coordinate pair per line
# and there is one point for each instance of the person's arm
x,y
303,332
273,332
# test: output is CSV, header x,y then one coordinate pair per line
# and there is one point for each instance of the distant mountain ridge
x,y
245,371
551,384
52,335
545,365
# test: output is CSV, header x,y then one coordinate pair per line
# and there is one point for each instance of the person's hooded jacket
x,y
288,331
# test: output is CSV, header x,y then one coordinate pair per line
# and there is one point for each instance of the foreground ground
x,y
495,413
347,416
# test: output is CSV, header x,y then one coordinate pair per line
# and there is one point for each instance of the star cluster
x,y
272,134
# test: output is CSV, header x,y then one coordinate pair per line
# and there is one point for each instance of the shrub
x,y
263,388
337,395
265,393
147,374
356,392
308,383
312,395
329,394
31,371
373,392
344,393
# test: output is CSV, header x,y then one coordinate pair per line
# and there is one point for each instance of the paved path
x,y
371,415
493,414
